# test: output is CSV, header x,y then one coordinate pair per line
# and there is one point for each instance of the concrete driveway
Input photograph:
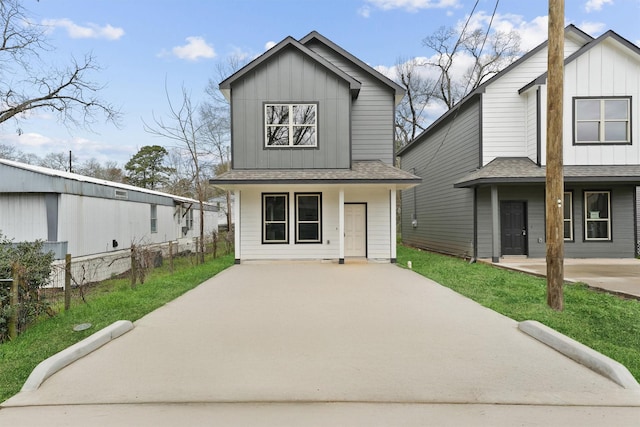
x,y
324,344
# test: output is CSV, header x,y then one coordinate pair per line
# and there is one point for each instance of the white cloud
x,y
90,31
195,49
364,11
412,5
268,45
596,5
594,29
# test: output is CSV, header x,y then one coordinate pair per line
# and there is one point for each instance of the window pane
x,y
275,208
588,109
277,114
304,114
567,230
308,208
304,135
308,231
615,131
597,205
277,135
275,231
567,206
588,131
597,230
616,109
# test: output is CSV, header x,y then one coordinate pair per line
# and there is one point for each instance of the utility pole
x,y
555,178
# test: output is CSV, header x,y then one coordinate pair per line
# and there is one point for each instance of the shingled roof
x,y
361,172
522,170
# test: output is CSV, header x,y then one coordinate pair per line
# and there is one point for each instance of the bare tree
x,y
488,53
215,115
27,84
184,129
410,113
58,161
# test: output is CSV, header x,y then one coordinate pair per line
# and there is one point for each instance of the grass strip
x,y
51,335
607,323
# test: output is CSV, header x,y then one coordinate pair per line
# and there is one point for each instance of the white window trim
x,y
285,221
570,219
318,221
291,125
587,218
602,121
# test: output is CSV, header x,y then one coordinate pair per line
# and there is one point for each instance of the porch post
x,y
236,220
341,226
495,225
392,217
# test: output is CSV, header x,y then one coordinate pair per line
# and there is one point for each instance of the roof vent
x,y
122,194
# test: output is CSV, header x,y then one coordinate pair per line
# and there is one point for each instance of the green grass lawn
x,y
51,335
604,322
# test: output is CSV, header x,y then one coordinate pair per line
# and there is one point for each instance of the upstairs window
x,y
291,125
602,120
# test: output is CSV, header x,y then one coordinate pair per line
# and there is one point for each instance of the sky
x,y
145,45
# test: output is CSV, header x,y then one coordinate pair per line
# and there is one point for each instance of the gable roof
x,y
571,31
53,174
314,35
609,35
288,43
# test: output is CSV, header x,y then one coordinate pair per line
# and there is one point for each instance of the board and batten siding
x,y
607,69
372,113
504,110
290,77
444,214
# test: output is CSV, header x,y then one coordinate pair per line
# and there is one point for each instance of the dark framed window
x,y
291,125
597,215
308,217
602,120
568,215
275,214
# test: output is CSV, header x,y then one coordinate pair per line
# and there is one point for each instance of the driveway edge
x,y
53,364
579,352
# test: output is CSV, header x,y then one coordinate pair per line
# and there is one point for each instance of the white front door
x,y
355,230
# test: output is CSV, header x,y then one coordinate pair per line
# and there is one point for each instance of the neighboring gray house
x,y
87,216
312,155
483,162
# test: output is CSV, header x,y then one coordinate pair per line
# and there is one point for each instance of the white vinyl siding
x,y
506,124
378,223
606,70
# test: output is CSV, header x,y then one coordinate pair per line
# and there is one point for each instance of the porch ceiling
x,y
514,170
361,172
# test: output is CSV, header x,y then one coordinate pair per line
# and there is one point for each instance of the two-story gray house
x,y
483,162
312,140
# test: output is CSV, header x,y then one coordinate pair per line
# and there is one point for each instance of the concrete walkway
x,y
616,275
324,344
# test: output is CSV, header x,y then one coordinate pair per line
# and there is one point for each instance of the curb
x,y
53,364
587,356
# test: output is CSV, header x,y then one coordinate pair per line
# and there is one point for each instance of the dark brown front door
x,y
513,227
